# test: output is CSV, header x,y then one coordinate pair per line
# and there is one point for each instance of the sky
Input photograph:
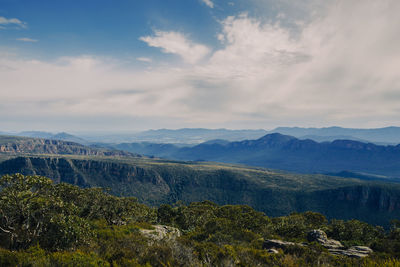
x,y
129,65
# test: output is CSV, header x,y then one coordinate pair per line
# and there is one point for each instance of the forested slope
x,y
276,193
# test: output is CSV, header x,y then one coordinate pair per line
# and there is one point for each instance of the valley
x,y
277,193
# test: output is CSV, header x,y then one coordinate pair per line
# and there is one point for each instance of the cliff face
x,y
376,204
121,179
44,146
274,194
381,199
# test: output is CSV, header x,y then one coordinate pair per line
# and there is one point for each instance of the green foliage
x,y
354,232
35,256
297,225
166,214
46,224
389,244
94,203
34,210
31,212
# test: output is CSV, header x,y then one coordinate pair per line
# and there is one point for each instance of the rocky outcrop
x,y
353,252
320,237
334,247
161,232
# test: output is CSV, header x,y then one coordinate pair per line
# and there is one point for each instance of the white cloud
x,y
339,68
177,43
26,39
209,3
85,87
144,59
12,21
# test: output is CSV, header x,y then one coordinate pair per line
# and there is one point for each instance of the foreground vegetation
x,y
47,224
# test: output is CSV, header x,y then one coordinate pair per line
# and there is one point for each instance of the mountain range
x,y
285,152
387,135
194,136
156,181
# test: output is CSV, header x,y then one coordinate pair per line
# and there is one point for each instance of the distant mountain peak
x,y
381,136
276,138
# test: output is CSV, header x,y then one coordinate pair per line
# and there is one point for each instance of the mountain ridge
x,y
278,151
385,135
28,145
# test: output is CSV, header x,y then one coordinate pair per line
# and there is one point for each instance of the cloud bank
x,y
340,67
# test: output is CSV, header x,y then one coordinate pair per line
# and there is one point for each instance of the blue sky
x,y
103,27
96,65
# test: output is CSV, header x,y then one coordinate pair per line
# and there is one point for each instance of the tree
x,y
31,212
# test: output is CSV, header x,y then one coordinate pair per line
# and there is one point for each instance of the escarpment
x,y
22,145
155,182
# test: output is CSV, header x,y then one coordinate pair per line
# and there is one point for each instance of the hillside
x,y
156,182
48,224
285,152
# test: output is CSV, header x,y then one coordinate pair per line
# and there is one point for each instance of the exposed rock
x,y
353,252
272,251
362,249
161,232
273,243
333,246
321,237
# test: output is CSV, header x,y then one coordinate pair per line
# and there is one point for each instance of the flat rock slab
x,y
353,252
274,244
333,246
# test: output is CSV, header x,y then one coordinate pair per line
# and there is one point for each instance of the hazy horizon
x,y
95,132
128,66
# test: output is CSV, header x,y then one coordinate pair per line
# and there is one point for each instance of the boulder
x,y
320,237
